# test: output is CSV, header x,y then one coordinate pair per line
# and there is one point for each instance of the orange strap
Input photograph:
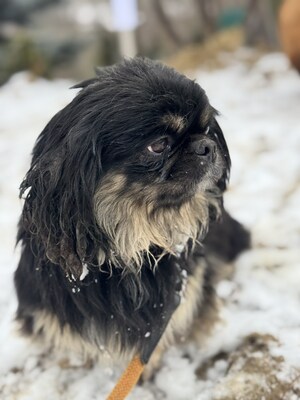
x,y
128,380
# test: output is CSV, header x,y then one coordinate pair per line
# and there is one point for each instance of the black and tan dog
x,y
123,214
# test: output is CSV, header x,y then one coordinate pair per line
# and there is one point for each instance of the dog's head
x,y
135,163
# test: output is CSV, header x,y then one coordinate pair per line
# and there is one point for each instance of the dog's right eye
x,y
159,146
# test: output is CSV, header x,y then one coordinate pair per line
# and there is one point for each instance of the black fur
x,y
107,127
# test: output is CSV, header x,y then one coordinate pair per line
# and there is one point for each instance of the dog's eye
x,y
159,146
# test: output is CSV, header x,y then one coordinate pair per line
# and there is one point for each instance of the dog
x,y
123,222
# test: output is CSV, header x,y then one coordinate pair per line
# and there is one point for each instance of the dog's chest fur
x,y
114,317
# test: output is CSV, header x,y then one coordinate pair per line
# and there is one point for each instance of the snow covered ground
x,y
254,352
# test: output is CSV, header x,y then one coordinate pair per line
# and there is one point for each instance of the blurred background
x,y
66,38
245,54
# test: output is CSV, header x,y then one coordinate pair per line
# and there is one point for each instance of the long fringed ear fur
x,y
59,187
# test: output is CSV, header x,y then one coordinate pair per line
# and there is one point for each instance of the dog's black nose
x,y
205,148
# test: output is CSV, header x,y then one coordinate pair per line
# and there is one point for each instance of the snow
x,y
259,106
85,272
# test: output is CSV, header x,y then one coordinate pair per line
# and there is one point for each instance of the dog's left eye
x,y
159,146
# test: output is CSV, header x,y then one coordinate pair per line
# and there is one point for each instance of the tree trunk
x,y
260,24
165,23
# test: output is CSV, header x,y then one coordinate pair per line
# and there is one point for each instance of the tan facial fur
x,y
128,218
175,122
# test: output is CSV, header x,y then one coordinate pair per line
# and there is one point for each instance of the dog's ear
x,y
58,213
101,72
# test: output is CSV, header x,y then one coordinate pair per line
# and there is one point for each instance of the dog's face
x,y
173,157
162,133
143,158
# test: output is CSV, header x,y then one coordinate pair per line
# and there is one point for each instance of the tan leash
x,y
128,380
132,374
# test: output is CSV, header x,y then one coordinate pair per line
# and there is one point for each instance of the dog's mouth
x,y
216,176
